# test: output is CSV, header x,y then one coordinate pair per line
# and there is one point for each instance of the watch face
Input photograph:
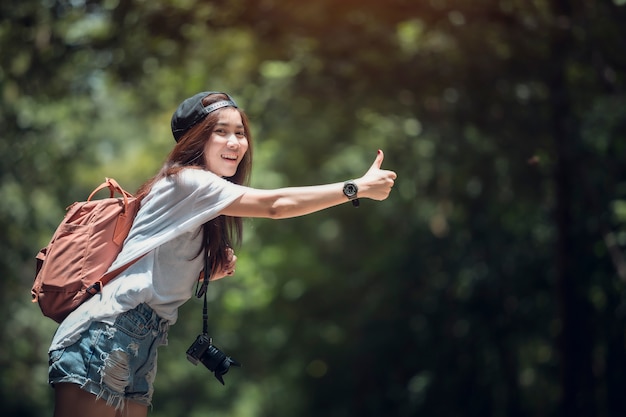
x,y
350,190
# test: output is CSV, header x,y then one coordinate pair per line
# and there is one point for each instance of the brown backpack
x,y
73,266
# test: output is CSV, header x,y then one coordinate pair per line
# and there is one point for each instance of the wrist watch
x,y
350,190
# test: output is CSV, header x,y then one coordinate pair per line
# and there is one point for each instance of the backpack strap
x,y
113,186
96,287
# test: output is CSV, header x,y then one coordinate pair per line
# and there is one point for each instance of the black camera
x,y
216,361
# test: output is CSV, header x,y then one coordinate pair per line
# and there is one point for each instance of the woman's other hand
x,y
228,269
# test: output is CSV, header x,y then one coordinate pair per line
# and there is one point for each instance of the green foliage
x,y
488,284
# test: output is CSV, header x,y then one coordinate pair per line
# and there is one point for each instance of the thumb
x,y
378,161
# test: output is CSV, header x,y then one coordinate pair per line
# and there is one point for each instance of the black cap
x,y
191,111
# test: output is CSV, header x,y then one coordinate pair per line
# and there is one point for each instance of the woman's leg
x,y
133,409
71,401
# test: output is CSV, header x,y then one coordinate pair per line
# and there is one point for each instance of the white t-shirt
x,y
168,231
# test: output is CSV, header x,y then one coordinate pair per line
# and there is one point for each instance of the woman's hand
x,y
228,269
376,183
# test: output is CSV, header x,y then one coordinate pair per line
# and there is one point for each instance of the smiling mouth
x,y
229,157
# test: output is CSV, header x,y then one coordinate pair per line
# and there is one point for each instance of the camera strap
x,y
201,290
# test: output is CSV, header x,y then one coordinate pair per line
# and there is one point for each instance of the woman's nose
x,y
232,141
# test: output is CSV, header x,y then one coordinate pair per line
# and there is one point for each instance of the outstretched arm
x,y
298,201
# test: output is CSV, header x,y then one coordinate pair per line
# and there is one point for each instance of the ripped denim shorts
x,y
115,363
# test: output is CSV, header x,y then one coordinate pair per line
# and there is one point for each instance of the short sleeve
x,y
177,204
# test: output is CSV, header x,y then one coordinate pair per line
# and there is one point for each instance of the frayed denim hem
x,y
113,399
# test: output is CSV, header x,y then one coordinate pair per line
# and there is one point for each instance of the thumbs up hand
x,y
376,183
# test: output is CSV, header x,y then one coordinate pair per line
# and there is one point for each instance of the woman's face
x,y
227,145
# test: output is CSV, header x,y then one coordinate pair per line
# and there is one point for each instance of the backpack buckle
x,y
94,288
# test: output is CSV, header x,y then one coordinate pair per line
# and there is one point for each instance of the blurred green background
x,y
490,283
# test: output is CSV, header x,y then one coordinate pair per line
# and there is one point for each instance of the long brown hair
x,y
221,232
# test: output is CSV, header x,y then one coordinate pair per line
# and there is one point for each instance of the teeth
x,y
231,157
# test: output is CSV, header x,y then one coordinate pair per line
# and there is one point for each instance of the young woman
x,y
103,355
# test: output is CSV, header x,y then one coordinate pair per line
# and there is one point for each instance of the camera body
x,y
216,361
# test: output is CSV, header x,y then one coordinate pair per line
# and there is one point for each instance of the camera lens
x,y
216,361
